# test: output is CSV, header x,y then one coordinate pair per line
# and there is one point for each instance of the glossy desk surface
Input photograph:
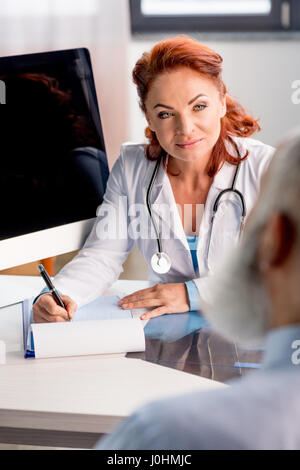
x,y
187,342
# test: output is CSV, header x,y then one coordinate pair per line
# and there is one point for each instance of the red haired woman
x,y
186,192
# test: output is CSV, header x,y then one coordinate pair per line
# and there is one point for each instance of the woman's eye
x,y
200,107
164,115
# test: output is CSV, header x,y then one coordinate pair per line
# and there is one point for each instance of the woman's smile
x,y
188,144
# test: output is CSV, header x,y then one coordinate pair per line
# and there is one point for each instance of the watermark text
x,y
123,220
295,357
2,352
2,92
296,94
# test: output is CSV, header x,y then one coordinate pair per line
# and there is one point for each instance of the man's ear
x,y
276,242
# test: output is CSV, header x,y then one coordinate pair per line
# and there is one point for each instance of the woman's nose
x,y
184,125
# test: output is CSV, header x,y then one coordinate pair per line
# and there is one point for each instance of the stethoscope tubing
x,y
232,189
215,206
149,205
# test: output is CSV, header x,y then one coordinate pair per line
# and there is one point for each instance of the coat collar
x,y
162,191
222,180
160,177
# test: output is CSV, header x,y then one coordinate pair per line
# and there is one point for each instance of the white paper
x,y
102,308
88,337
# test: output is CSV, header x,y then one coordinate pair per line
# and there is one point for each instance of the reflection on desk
x,y
188,343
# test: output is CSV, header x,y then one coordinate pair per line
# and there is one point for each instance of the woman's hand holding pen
x,y
46,309
166,298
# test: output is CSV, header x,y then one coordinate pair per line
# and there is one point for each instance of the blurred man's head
x,y
258,288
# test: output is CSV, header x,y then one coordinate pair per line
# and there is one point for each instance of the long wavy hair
x,y
183,51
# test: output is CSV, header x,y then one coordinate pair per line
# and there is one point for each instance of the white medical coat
x,y
99,263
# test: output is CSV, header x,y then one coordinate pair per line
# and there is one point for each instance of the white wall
x,y
259,73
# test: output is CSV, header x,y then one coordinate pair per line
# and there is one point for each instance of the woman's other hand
x,y
162,298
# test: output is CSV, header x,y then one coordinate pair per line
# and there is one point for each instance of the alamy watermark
x,y
123,220
295,357
296,94
2,352
2,92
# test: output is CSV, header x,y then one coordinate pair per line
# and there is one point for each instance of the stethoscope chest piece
x,y
161,263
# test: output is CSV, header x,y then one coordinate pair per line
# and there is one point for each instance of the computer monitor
x,y
53,165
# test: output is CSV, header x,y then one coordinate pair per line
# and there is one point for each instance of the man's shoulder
x,y
256,412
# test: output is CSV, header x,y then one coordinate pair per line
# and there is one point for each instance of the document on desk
x,y
100,327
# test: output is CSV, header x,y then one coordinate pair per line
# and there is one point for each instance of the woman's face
x,y
184,109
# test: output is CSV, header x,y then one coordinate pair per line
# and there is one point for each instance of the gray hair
x,y
240,307
281,190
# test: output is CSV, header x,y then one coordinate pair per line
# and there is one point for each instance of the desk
x,y
70,402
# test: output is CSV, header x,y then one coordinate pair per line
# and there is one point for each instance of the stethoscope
x,y
160,261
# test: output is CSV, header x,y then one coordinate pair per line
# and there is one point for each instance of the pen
x,y
50,286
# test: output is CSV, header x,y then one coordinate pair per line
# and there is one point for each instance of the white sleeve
x,y
99,263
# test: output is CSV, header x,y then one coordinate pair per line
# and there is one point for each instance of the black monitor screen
x,y
53,165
